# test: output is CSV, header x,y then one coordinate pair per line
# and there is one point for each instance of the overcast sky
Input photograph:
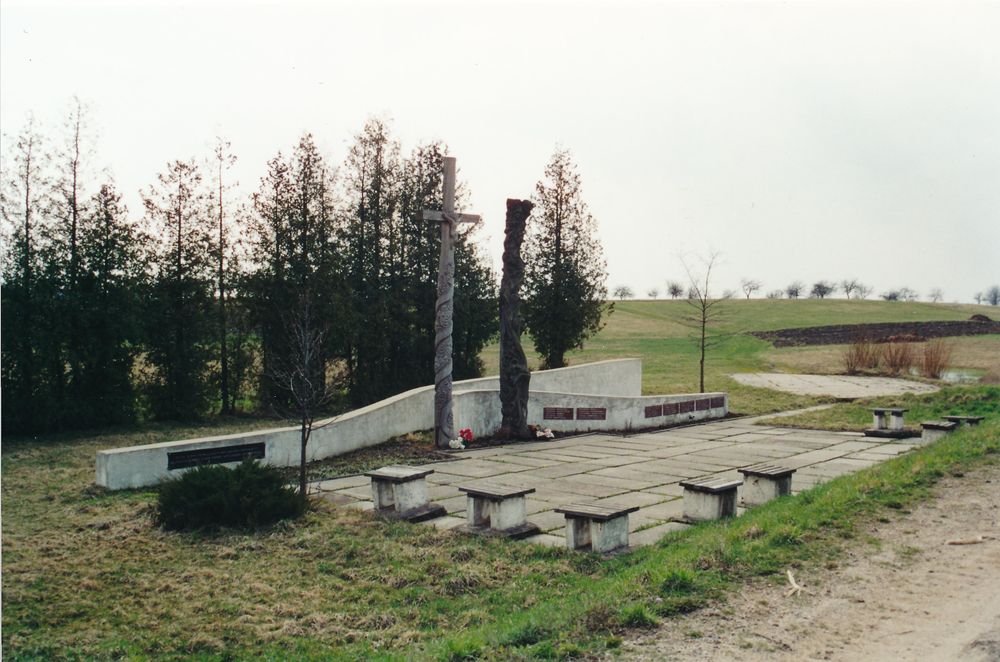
x,y
800,140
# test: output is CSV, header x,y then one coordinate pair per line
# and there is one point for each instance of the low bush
x,y
937,358
861,354
897,358
209,497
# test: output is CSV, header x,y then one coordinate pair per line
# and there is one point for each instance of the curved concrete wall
x,y
615,386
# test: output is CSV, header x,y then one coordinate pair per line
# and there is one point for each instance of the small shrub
x,y
208,497
679,582
897,358
637,616
861,354
937,358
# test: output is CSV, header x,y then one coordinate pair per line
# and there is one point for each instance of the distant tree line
x,y
851,288
110,316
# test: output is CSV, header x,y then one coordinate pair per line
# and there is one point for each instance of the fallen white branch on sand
x,y
795,589
969,541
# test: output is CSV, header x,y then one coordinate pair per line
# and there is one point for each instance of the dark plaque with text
x,y
652,411
591,413
557,413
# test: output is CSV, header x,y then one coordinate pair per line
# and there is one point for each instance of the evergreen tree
x,y
23,292
372,250
293,227
109,284
179,331
225,247
565,274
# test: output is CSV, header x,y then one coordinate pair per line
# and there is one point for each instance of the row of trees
x,y
851,288
189,308
197,305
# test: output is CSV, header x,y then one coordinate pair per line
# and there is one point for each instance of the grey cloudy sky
x,y
801,140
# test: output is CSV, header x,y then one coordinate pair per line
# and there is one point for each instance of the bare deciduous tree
x,y
849,286
822,289
794,290
864,291
675,289
707,311
623,292
653,293
992,295
749,286
775,294
936,295
301,375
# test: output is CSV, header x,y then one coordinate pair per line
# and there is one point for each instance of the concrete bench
x,y
498,510
595,527
895,418
401,493
709,498
763,482
934,430
964,420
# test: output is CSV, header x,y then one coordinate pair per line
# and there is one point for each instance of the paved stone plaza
x,y
639,470
839,386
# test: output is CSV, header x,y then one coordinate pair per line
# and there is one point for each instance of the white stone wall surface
x,y
614,386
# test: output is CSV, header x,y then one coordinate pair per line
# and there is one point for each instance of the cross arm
x,y
453,218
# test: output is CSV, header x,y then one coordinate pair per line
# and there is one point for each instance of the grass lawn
x,y
86,574
655,331
855,416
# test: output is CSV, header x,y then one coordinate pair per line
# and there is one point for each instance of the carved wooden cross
x,y
444,422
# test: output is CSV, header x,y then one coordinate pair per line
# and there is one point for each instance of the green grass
x,y
87,575
855,416
655,331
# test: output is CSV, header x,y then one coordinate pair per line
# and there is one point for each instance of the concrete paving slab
x,y
652,535
838,386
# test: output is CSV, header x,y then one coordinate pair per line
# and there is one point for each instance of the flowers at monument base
x,y
465,434
544,434
456,444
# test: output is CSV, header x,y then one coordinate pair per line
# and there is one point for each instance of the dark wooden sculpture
x,y
514,374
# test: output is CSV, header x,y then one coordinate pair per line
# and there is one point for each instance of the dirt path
x,y
911,597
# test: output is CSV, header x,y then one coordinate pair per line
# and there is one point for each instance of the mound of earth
x,y
842,334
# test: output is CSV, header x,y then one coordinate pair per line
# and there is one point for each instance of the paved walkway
x,y
640,470
838,386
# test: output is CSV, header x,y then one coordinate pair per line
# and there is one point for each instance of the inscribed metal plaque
x,y
591,413
652,411
557,413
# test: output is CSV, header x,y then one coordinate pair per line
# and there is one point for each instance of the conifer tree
x,y
111,279
565,272
294,257
179,330
22,199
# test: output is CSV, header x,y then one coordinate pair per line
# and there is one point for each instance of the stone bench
x,y
934,430
964,420
498,510
401,493
763,482
709,498
895,418
595,527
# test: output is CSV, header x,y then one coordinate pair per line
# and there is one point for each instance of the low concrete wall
x,y
614,386
480,410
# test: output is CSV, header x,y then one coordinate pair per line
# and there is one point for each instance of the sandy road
x,y
910,597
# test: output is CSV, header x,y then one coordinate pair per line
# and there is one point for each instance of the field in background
x,y
655,331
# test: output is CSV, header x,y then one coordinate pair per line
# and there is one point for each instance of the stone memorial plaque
x,y
702,405
685,407
557,413
591,413
670,408
718,402
652,411
220,455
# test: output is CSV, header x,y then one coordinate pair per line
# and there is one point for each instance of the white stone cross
x,y
444,422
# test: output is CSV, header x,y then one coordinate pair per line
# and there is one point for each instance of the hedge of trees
x,y
180,309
